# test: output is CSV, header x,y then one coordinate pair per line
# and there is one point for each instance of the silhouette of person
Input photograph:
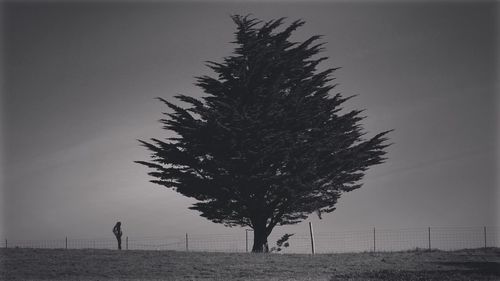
x,y
118,233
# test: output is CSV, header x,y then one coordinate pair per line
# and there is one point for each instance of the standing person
x,y
118,233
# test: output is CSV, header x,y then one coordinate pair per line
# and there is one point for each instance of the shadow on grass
x,y
464,271
396,275
487,268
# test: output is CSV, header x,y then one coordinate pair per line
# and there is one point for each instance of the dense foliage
x,y
269,143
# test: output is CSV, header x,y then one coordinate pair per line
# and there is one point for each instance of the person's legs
x,y
119,238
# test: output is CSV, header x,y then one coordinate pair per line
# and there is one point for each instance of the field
x,y
59,264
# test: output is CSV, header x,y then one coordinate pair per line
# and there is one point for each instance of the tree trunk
x,y
260,240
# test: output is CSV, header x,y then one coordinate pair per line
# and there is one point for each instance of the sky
x,y
79,82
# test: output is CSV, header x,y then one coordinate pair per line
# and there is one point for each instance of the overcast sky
x,y
80,81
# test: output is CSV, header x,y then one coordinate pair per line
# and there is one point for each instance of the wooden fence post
x,y
429,237
187,243
66,243
374,241
484,231
126,243
311,232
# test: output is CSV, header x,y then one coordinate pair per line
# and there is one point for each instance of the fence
x,y
373,239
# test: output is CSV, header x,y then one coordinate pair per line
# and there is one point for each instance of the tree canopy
x,y
269,143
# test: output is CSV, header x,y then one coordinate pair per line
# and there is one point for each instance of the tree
x,y
268,144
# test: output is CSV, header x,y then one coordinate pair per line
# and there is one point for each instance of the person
x,y
118,233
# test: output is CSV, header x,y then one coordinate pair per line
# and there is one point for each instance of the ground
x,y
104,265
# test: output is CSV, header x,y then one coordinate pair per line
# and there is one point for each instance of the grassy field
x,y
43,264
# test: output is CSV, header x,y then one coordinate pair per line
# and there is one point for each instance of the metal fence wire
x,y
373,239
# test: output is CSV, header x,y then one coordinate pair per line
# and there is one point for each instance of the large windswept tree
x,y
269,143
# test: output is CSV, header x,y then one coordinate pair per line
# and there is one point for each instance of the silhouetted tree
x,y
268,145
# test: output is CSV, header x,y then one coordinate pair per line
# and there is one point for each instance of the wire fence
x,y
373,239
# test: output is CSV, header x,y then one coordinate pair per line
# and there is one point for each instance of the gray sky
x,y
80,81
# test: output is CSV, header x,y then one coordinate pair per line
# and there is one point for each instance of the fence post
x,y
187,243
6,244
429,237
484,231
126,243
374,241
66,243
311,232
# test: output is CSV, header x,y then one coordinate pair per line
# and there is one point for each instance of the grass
x,y
58,264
